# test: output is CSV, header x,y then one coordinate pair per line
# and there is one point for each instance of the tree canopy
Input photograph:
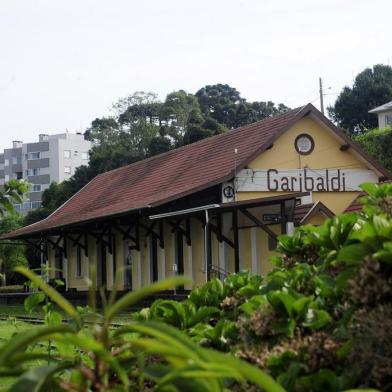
x,y
372,87
143,126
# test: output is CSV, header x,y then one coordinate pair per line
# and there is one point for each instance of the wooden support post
x,y
236,241
219,227
215,230
161,235
137,237
65,247
110,241
283,221
207,229
86,244
188,232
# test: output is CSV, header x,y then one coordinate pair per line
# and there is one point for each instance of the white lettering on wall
x,y
303,180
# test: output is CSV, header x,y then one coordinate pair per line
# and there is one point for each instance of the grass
x,y
7,329
18,310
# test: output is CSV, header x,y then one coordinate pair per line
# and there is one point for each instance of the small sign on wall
x,y
303,180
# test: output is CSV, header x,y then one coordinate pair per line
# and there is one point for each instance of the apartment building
x,y
53,158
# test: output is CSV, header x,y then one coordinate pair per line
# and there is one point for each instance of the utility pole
x,y
321,95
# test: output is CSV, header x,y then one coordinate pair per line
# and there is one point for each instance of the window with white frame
x,y
67,154
36,188
6,177
67,169
76,153
6,162
388,119
85,156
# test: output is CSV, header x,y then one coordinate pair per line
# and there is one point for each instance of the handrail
x,y
218,272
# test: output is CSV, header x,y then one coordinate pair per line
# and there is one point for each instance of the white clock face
x,y
304,144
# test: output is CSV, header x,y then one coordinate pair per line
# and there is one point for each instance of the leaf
x,y
370,188
317,319
248,372
352,254
301,306
27,338
165,333
323,380
136,296
53,318
282,302
203,313
248,291
253,303
33,300
35,379
54,295
88,344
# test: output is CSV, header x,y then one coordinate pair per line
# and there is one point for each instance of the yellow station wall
x,y
326,154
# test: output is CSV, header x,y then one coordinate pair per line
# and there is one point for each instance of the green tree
x,y
372,87
196,132
158,145
102,130
220,102
225,104
180,110
140,119
11,255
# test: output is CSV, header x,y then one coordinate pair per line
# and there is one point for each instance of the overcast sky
x,y
64,62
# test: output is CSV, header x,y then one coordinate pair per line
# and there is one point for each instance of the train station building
x,y
205,209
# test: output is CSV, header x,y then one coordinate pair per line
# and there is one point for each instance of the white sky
x,y
63,63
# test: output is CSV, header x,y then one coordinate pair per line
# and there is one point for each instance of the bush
x,y
321,320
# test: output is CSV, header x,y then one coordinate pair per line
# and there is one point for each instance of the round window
x,y
304,144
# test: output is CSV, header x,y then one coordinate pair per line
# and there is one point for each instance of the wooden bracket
x,y
259,223
55,244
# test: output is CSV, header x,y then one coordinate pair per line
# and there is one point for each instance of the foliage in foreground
x,y
87,354
321,320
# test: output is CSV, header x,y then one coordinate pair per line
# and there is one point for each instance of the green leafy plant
x,y
143,355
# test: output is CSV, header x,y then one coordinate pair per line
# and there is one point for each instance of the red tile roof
x,y
301,211
169,176
355,205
